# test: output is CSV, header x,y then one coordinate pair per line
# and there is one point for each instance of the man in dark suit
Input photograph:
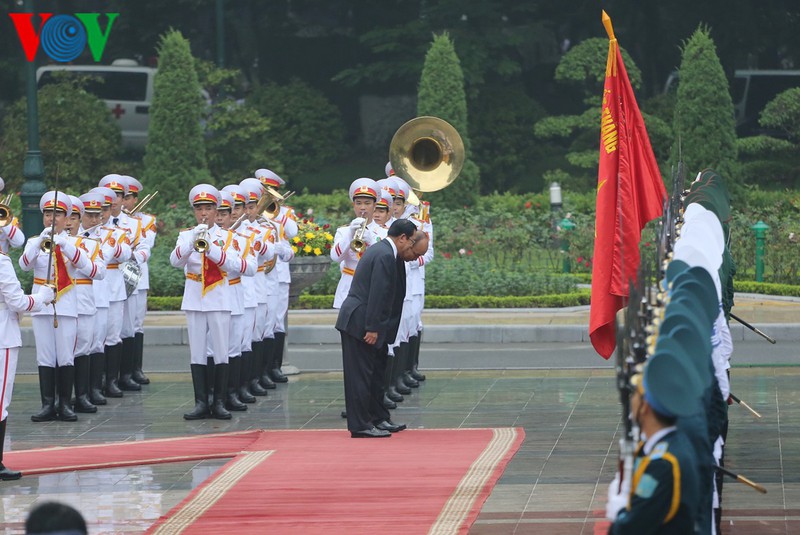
x,y
368,321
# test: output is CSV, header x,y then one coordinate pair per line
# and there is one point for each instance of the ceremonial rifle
x,y
756,330
52,251
741,479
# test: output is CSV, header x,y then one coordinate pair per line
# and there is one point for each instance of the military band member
x,y
201,253
13,301
142,256
87,308
94,204
241,245
55,345
10,234
363,193
285,223
381,215
263,235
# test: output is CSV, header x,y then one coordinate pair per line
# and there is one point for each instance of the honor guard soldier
x,y
664,488
264,236
13,301
117,295
205,259
285,222
10,233
382,214
87,308
243,370
352,240
142,256
94,203
55,258
241,245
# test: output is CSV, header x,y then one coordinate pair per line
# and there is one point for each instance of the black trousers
x,y
364,366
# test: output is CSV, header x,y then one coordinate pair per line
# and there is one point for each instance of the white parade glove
x,y
67,246
617,498
355,223
46,232
214,252
199,229
46,294
370,237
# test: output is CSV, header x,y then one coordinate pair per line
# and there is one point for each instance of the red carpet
x,y
418,481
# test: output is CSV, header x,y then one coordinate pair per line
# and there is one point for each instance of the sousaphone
x,y
428,153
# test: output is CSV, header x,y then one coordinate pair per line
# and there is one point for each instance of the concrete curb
x,y
465,334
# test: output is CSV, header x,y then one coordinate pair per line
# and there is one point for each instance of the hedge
x,y
766,288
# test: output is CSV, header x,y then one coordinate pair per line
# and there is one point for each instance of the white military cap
x,y
77,204
134,186
107,193
115,182
269,178
237,192
253,188
403,189
364,187
93,201
225,201
389,185
386,199
389,170
49,202
204,194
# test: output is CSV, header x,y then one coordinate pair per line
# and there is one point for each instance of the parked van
x,y
125,86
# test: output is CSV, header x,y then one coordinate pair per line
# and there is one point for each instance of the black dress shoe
x,y
394,395
409,381
415,373
388,425
370,433
388,403
8,475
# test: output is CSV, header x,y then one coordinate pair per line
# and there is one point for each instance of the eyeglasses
x,y
413,242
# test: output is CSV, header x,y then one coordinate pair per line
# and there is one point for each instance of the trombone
x,y
275,200
5,210
141,204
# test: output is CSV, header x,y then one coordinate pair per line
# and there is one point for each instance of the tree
x,y
584,67
703,126
175,156
79,141
770,160
441,94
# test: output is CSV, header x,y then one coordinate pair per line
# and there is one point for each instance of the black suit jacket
x,y
375,300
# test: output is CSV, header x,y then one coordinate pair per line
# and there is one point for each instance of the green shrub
x,y
307,125
164,303
79,141
767,288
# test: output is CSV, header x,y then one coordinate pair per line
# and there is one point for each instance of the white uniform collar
x,y
658,435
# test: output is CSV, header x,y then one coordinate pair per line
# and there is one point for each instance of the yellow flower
x,y
307,249
328,236
317,251
309,235
296,239
294,249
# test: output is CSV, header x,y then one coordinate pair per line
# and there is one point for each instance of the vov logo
x,y
63,37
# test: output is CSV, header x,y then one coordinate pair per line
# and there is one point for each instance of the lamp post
x,y
760,229
555,197
33,166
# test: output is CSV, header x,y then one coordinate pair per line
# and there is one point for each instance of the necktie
x,y
85,234
116,221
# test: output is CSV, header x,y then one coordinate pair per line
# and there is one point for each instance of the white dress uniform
x,y
13,301
207,303
55,346
10,235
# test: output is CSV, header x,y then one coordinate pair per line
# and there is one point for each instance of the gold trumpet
x,y
358,244
201,242
5,210
274,202
47,245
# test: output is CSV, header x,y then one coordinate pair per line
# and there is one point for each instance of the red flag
x,y
63,281
211,275
630,193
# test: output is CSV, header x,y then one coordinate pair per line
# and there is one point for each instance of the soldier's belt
x,y
112,266
197,277
262,268
40,282
83,281
237,280
348,271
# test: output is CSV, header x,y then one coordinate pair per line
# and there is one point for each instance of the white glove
x,y
199,229
214,252
46,294
370,237
60,239
617,498
355,223
46,232
67,247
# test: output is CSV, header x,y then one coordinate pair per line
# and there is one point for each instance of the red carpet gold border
x,y
211,493
460,503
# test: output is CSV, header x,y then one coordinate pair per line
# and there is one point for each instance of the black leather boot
x,y
47,387
113,358
266,363
65,375
127,364
255,370
97,366
244,378
200,394
138,375
5,473
388,403
406,373
82,380
398,367
415,343
218,409
233,402
277,360
388,384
